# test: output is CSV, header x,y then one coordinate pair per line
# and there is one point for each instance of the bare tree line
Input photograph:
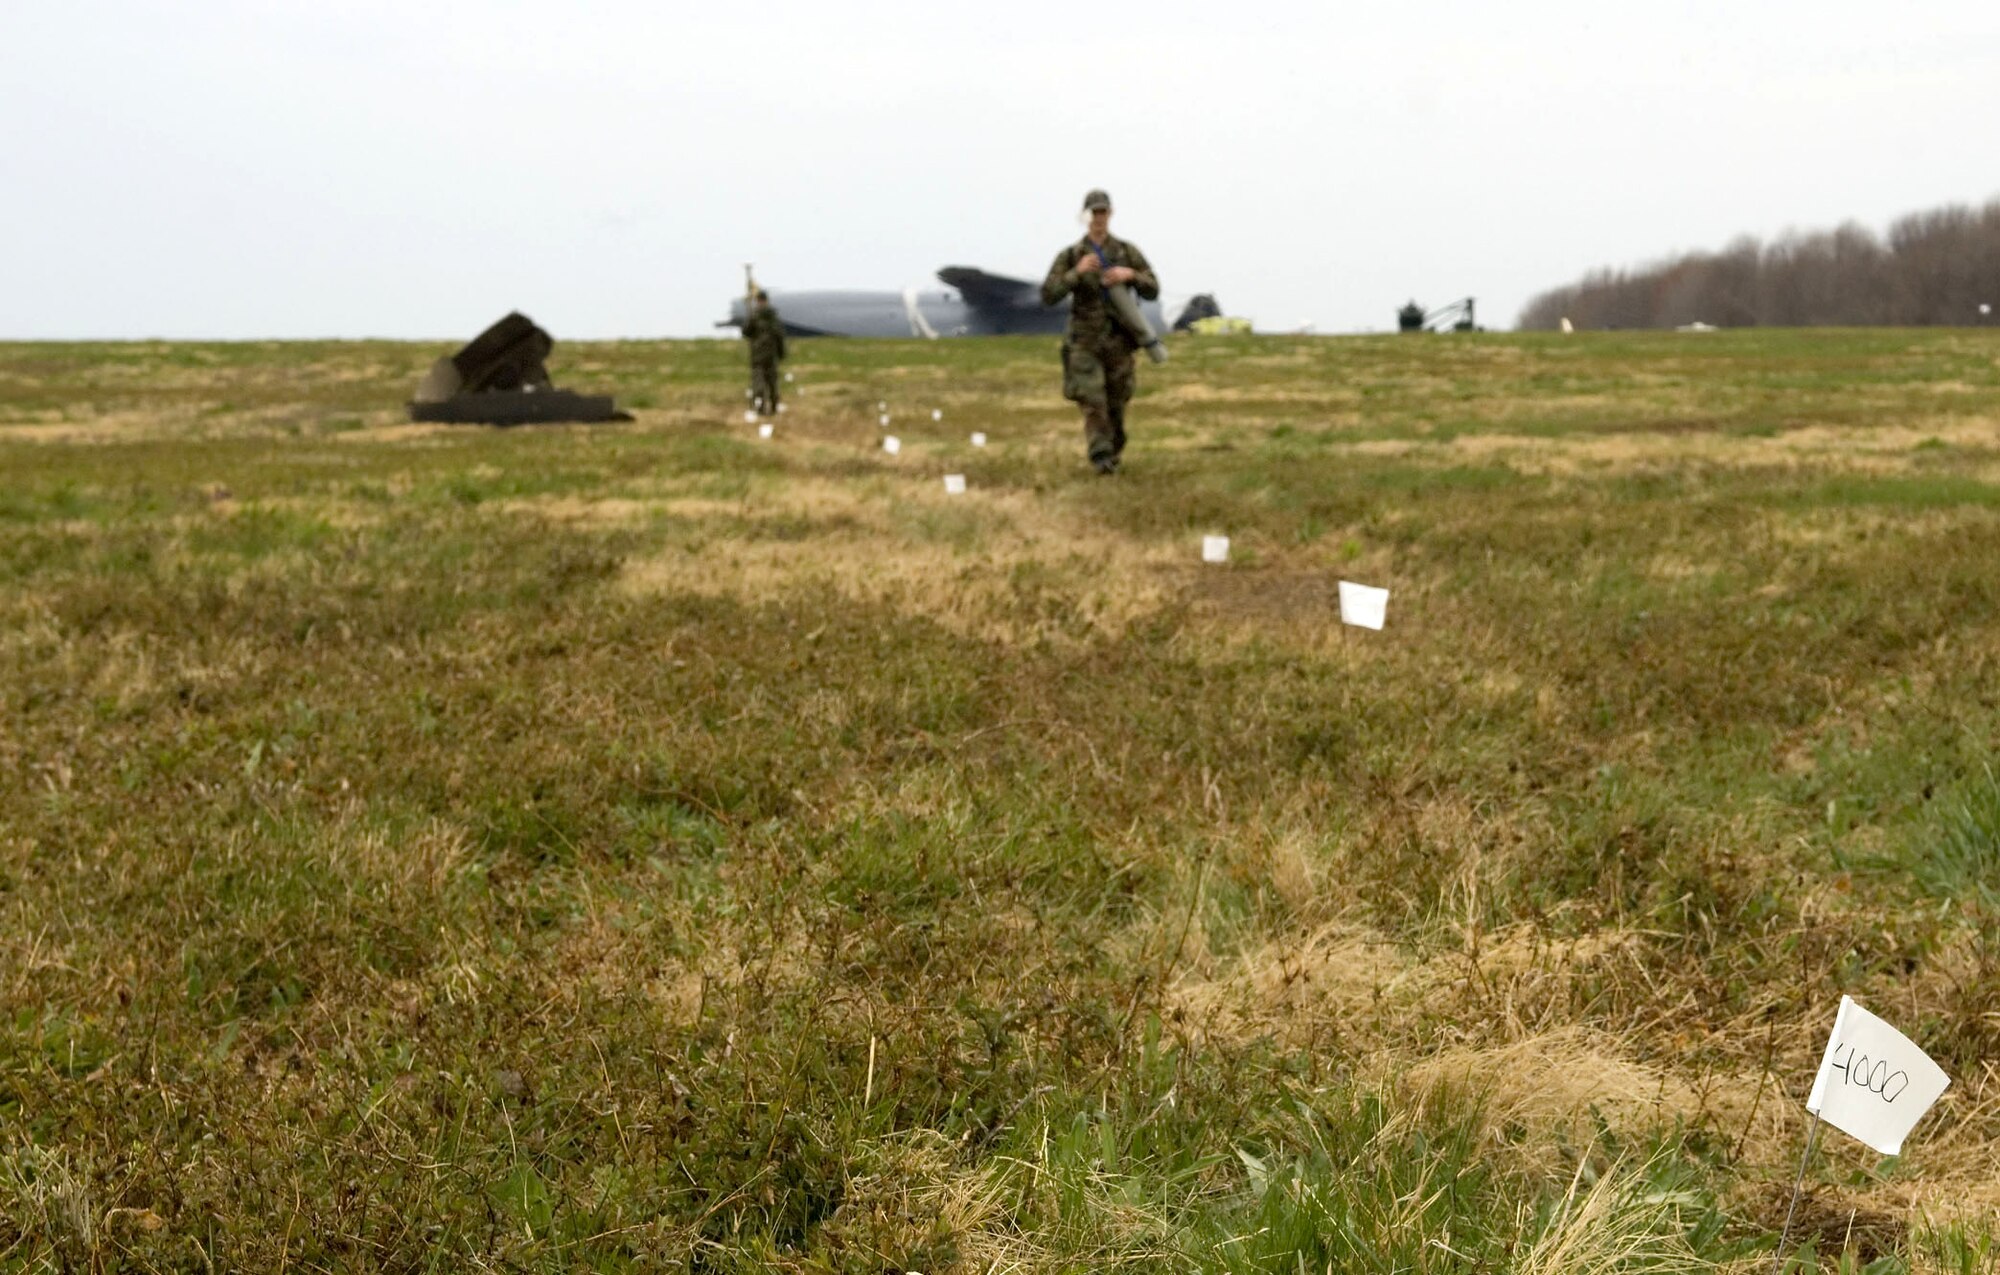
x,y
1936,267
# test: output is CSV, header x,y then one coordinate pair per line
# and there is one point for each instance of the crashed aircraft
x,y
971,303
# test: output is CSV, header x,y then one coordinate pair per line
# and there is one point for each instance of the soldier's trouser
x,y
764,384
1100,381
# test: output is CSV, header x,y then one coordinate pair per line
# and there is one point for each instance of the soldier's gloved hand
x,y
1119,274
1089,264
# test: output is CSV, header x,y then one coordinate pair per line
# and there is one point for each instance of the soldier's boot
x,y
1118,430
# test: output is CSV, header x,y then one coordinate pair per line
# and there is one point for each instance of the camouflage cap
x,y
1096,199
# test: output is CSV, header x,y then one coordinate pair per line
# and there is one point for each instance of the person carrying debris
x,y
766,334
1099,273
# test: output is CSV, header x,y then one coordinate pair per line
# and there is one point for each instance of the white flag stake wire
x,y
1362,605
1873,1084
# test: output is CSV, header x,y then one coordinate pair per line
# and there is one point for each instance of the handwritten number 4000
x,y
1873,1076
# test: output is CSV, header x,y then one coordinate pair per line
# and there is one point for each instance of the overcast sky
x,y
373,168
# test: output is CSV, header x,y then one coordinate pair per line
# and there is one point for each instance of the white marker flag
x,y
1215,548
1873,1083
781,409
763,431
885,420
954,484
1363,606
892,444
937,414
788,378
979,440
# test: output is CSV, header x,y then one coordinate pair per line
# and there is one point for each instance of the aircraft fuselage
x,y
916,312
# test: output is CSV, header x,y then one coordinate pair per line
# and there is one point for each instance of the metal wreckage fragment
x,y
502,378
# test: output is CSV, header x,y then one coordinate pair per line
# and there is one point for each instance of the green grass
x,y
643,847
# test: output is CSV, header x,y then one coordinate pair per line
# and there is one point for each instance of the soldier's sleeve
x,y
1144,281
1062,279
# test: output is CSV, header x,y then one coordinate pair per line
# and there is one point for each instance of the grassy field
x,y
643,847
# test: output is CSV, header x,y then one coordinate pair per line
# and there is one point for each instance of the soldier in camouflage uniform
x,y
1097,350
767,345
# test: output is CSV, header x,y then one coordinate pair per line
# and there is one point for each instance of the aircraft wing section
x,y
980,288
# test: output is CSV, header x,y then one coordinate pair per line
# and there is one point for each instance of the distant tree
x,y
1934,267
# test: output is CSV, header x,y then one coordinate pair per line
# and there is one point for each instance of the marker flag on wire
x,y
937,414
954,484
892,444
1363,606
1215,548
764,431
1873,1084
979,440
749,417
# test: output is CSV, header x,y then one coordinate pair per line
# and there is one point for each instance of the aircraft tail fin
x,y
979,287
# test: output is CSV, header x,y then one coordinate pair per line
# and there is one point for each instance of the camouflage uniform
x,y
1097,350
767,345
